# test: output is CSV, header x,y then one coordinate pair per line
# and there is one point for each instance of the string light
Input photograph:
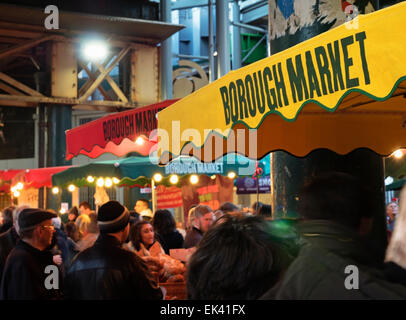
x,y
100,182
194,179
398,154
139,141
71,188
90,179
174,179
20,186
55,190
108,182
231,175
16,194
157,177
115,180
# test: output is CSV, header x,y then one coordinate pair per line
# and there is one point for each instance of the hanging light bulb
x,y
20,186
213,177
55,190
194,179
398,154
157,177
174,179
100,182
108,182
115,180
16,194
90,179
231,175
139,141
13,189
71,188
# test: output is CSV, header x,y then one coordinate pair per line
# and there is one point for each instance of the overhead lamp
x,y
71,188
174,179
55,190
231,175
100,182
108,182
157,177
194,179
95,50
90,179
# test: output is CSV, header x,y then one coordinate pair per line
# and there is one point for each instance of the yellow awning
x,y
341,90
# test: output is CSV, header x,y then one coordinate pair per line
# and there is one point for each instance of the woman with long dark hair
x,y
143,240
165,225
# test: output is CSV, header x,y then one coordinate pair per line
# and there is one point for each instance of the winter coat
x,y
171,240
321,269
24,275
192,238
8,241
105,271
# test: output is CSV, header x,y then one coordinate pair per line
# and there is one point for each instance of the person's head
x,y
142,232
191,217
82,222
265,211
84,207
164,222
93,227
57,222
72,231
228,207
204,217
16,214
114,219
141,205
8,215
236,259
392,209
35,227
73,214
337,197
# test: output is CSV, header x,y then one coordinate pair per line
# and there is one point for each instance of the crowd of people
x,y
116,253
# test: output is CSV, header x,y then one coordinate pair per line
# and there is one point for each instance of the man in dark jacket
x,y
106,271
30,272
203,220
334,262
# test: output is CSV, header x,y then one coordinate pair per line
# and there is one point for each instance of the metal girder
x,y
112,83
93,77
103,75
255,11
19,85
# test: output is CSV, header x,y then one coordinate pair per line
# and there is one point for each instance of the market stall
x,y
118,133
341,90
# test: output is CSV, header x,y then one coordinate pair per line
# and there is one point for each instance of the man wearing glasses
x,y
28,264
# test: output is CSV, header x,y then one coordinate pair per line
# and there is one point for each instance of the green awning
x,y
138,171
397,185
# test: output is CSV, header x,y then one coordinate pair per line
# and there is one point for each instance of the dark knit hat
x,y
29,218
112,217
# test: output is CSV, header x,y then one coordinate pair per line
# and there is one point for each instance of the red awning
x,y
115,133
37,178
5,179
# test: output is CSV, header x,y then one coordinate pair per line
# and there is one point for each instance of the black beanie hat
x,y
31,217
112,217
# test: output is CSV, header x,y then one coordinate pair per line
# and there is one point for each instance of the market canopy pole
x,y
289,173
